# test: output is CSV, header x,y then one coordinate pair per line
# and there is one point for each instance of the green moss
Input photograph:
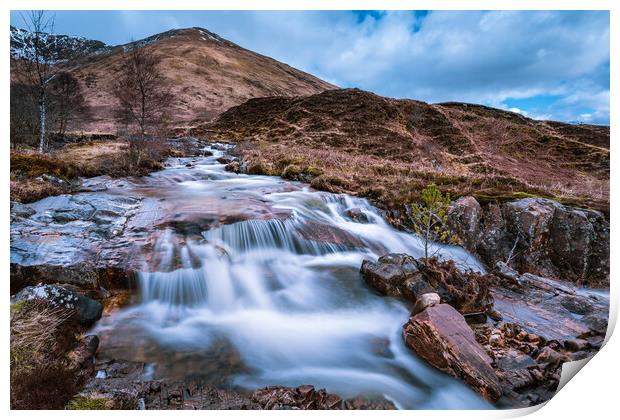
x,y
88,403
17,306
291,172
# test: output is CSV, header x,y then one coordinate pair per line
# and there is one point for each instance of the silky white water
x,y
267,301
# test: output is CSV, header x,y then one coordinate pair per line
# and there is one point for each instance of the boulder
x,y
537,235
441,337
425,301
357,215
395,275
402,276
89,310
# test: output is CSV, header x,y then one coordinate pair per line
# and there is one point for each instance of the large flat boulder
x,y
440,335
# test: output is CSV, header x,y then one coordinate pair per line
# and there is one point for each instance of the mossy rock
x,y
291,172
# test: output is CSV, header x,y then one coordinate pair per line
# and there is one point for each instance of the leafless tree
x,y
37,64
68,101
143,97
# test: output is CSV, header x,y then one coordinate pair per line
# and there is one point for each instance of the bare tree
x,y
68,101
144,100
37,64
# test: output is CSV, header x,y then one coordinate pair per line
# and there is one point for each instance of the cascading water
x,y
276,300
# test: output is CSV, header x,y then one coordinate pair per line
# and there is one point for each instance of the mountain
x,y
206,73
66,46
389,149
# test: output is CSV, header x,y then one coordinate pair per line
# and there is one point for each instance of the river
x,y
273,295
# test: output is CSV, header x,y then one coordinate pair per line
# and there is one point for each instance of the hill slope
x,y
387,149
206,73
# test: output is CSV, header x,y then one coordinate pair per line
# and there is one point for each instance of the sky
x,y
542,64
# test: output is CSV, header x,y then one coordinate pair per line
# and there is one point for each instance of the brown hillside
x,y
387,148
207,75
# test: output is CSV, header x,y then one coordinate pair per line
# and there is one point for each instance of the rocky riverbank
x,y
504,334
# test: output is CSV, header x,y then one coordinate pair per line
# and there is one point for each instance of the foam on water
x,y
294,310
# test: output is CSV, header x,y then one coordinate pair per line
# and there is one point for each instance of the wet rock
x,y
116,368
425,301
576,304
224,160
550,356
89,310
597,323
440,335
321,232
357,215
391,272
538,235
514,361
575,345
20,211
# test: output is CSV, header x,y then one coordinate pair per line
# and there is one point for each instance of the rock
x,y
504,271
84,355
19,211
120,369
425,301
357,215
596,322
89,310
440,336
515,361
395,275
233,167
575,345
541,236
579,305
224,160
495,340
324,233
551,357
464,218
402,276
596,342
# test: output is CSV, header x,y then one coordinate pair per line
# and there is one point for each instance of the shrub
x,y
88,403
41,376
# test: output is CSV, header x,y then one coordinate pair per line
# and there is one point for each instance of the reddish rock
x,y
440,335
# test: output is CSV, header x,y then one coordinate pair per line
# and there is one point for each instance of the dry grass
x,y
41,374
29,168
389,150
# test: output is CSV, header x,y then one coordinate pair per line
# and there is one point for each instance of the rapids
x,y
273,295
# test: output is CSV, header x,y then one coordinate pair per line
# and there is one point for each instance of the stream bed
x,y
273,295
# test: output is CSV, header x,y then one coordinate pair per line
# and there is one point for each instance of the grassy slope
x,y
386,149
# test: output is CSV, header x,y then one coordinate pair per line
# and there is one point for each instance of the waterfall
x,y
284,292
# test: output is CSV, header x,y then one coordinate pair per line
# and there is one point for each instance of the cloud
x,y
483,57
497,58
